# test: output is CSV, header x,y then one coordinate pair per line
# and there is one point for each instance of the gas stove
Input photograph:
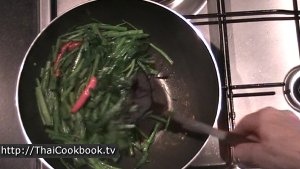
x,y
256,45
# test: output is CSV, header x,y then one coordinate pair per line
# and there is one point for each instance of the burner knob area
x,y
291,88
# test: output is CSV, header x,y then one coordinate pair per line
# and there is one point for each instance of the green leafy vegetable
x,y
90,73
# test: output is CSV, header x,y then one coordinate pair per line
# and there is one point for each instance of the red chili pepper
x,y
84,95
74,45
69,46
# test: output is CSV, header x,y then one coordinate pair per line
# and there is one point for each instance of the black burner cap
x,y
291,88
296,89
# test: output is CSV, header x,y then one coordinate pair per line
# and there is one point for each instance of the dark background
x,y
18,28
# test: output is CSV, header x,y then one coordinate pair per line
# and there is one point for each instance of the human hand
x,y
278,136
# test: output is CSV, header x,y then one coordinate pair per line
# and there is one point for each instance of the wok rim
x,y
198,33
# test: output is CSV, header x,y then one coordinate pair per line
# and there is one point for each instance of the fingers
x,y
292,115
257,155
270,127
248,153
254,155
248,124
251,123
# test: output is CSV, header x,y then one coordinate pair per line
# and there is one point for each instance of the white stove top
x,y
262,52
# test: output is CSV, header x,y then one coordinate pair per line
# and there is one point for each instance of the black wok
x,y
193,86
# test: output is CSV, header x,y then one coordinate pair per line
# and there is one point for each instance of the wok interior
x,y
192,86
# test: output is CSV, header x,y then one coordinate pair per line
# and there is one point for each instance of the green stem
x,y
164,54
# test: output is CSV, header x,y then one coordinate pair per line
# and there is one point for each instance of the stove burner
x,y
292,88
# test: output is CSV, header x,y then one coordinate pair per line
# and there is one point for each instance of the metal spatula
x,y
200,127
142,96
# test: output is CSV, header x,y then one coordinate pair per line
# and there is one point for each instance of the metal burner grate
x,y
222,18
222,21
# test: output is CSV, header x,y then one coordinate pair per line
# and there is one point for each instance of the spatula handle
x,y
200,127
234,139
